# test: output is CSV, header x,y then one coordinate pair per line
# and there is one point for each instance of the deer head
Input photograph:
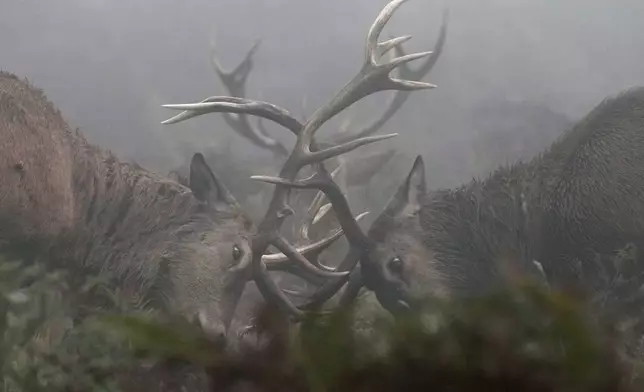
x,y
374,76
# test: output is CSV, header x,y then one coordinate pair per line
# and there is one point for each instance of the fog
x,y
109,65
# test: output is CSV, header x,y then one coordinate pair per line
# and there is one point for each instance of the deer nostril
x,y
215,332
218,337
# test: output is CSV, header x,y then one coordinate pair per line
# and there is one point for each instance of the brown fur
x,y
33,136
79,205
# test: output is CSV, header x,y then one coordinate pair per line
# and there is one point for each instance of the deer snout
x,y
214,330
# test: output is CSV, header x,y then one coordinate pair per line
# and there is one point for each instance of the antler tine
x,y
219,70
289,251
262,134
275,260
221,104
313,249
279,258
385,47
405,72
280,262
331,287
323,182
354,285
339,149
372,77
318,209
271,292
246,65
235,83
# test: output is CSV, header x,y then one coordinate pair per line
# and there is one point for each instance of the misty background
x,y
109,65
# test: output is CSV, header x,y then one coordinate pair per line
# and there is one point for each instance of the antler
x,y
373,77
360,170
404,72
351,171
235,82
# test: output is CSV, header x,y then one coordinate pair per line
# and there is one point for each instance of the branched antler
x,y
235,83
373,77
227,105
320,206
371,164
404,72
353,171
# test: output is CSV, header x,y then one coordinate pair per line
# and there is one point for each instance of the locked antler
x,y
235,83
374,76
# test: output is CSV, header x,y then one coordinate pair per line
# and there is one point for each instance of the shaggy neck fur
x,y
125,218
479,233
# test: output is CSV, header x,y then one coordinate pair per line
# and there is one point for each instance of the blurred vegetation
x,y
523,338
52,336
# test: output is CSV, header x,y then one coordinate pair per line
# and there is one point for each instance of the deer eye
x,y
237,253
396,265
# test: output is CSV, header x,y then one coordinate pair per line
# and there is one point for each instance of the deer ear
x,y
409,195
205,185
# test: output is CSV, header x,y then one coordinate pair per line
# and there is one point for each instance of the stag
x,y
562,216
374,76
182,250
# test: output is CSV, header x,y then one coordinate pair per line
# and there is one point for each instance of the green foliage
x,y
61,333
175,340
524,339
45,345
